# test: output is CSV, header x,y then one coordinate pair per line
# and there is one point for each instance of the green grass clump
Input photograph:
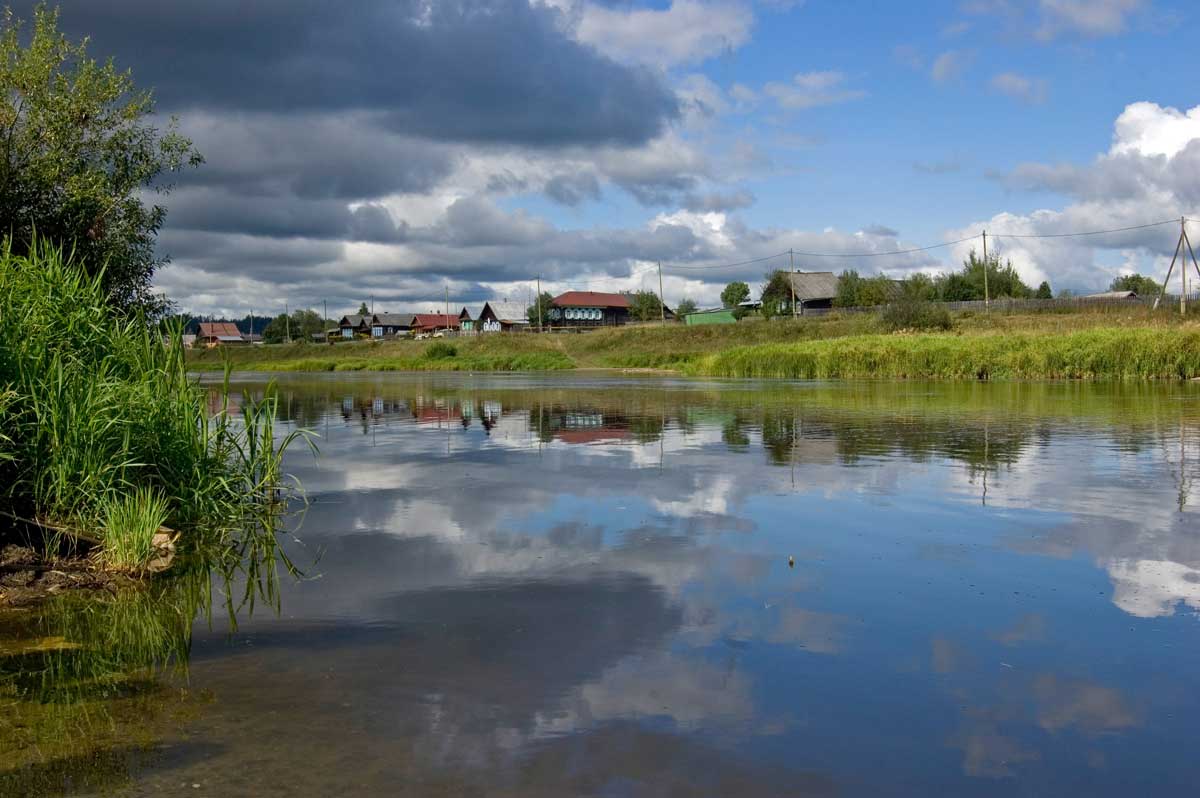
x,y
98,407
914,316
130,522
440,350
1092,354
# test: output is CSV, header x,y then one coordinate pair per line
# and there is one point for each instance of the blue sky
x,y
407,148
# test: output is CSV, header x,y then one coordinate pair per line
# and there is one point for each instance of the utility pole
x,y
792,279
987,297
287,323
251,322
539,302
325,319
1183,270
662,303
447,306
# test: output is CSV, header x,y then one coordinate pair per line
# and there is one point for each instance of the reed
x,y
99,408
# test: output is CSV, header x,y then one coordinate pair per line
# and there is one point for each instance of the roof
x,y
354,320
470,312
591,299
230,339
1112,295
219,329
810,286
434,320
513,312
392,319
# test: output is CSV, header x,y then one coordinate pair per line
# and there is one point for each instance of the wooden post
x,y
539,302
987,298
445,318
324,320
287,323
662,303
1171,268
792,279
1182,271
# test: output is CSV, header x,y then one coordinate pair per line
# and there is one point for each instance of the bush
x,y
440,350
915,315
96,407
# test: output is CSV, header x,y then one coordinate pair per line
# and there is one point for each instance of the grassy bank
x,y
1126,343
106,437
1105,353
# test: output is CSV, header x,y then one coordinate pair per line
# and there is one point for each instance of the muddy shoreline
x,y
27,578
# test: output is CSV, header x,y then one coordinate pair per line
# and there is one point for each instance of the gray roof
x,y
393,319
355,319
510,311
810,286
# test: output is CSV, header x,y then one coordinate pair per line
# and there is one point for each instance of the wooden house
x,y
219,333
503,317
433,322
355,325
589,309
388,325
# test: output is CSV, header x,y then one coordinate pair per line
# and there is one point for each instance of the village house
x,y
355,325
387,325
815,290
219,333
433,322
468,320
589,309
503,317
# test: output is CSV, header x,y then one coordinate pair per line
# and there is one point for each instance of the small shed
x,y
714,316
814,289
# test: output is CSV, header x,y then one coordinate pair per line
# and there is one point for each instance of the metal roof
x,y
217,329
591,299
354,320
810,286
513,312
1112,295
392,319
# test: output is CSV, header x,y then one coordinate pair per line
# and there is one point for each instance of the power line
x,y
1088,233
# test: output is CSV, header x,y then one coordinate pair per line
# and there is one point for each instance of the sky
x,y
399,151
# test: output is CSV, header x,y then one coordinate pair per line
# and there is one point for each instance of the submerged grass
x,y
130,522
99,408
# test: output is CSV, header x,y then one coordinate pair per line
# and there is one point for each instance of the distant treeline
x,y
967,284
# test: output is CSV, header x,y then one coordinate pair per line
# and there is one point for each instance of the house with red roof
x,y
589,309
432,322
219,333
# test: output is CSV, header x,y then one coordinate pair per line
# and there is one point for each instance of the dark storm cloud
x,y
340,156
500,71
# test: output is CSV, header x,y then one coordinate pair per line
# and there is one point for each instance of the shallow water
x,y
578,585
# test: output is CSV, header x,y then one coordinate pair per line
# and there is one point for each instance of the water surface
x,y
608,586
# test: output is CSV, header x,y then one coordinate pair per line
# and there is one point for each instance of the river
x,y
633,586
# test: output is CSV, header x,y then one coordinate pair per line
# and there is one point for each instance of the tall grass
x,y
100,407
130,522
1124,353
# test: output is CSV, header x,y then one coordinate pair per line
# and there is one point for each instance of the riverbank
x,y
1136,344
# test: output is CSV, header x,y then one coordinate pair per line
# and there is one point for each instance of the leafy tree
x,y
77,153
362,309
645,305
302,325
855,290
1044,292
685,307
1002,280
777,294
547,302
1139,284
919,287
735,294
